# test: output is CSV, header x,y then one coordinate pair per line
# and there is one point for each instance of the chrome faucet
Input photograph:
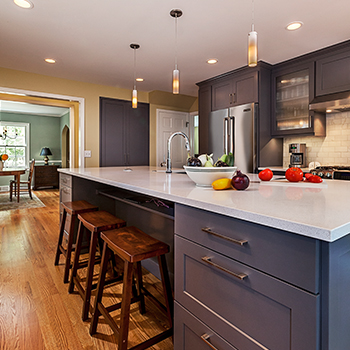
x,y
187,145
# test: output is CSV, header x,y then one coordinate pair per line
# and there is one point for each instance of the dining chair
x,y
13,183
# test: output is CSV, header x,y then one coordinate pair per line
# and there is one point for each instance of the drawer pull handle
x,y
240,276
205,337
232,240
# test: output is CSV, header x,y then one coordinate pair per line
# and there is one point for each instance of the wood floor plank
x,y
36,311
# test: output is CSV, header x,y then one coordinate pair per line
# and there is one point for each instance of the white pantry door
x,y
169,122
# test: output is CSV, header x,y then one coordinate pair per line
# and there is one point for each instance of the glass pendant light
x,y
252,44
176,73
134,91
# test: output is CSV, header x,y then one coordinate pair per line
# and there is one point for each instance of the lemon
x,y
221,184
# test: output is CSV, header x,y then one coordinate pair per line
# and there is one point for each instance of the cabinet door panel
x,y
260,311
246,89
192,334
222,94
204,103
138,135
333,74
112,132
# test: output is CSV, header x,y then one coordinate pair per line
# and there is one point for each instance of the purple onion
x,y
240,181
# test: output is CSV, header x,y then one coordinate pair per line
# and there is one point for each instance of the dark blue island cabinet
x,y
244,286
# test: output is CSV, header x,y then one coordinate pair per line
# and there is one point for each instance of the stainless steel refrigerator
x,y
234,130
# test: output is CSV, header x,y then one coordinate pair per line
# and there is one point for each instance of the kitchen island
x,y
264,268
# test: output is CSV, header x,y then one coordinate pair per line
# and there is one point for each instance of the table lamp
x,y
45,151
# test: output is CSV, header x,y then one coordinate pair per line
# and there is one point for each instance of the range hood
x,y
333,103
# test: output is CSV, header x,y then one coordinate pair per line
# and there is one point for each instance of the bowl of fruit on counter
x,y
203,171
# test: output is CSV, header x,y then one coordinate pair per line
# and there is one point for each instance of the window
x,y
17,148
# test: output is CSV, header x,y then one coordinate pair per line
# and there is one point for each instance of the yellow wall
x,y
91,92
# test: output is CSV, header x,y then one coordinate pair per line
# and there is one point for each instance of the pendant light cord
x,y
134,69
175,41
252,15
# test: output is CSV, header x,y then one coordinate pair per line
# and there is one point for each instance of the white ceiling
x,y
27,108
90,39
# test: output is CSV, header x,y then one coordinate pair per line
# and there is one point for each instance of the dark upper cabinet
x,y
124,133
204,104
333,73
292,92
237,89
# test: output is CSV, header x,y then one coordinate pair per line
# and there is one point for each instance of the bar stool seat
x,y
69,215
132,246
92,223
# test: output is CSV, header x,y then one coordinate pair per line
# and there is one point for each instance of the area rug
x,y
24,202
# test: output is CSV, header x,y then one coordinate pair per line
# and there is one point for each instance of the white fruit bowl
x,y
205,176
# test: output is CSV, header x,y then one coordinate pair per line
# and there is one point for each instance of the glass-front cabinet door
x,y
292,93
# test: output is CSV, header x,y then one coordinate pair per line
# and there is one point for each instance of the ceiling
x,y
27,108
91,39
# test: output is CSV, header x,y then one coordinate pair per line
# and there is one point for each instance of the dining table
x,y
17,176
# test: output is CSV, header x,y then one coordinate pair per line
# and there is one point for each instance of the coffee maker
x,y
297,155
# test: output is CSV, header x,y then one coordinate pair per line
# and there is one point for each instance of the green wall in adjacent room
x,y
44,132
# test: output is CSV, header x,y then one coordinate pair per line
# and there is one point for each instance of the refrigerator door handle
x,y
231,136
226,134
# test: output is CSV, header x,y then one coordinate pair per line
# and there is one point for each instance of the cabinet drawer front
x,y
65,180
65,194
256,312
192,334
290,257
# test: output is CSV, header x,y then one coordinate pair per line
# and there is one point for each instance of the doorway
x,y
65,151
76,107
169,122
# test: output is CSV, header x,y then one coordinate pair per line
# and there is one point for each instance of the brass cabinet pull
x,y
240,276
235,241
205,337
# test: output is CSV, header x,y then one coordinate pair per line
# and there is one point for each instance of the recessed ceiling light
x,y
212,61
24,4
294,25
139,79
328,110
50,60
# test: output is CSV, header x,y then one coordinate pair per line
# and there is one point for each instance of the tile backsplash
x,y
334,149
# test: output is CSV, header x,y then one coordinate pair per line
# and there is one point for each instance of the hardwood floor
x,y
36,311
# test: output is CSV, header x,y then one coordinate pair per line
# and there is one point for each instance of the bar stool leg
x,y
76,257
69,249
100,286
90,274
139,285
125,307
60,236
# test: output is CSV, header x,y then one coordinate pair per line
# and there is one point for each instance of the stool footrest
x,y
161,306
109,319
154,340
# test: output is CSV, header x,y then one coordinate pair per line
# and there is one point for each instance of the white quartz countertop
x,y
321,212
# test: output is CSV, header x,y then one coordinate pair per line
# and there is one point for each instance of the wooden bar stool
x,y
93,223
70,212
132,246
